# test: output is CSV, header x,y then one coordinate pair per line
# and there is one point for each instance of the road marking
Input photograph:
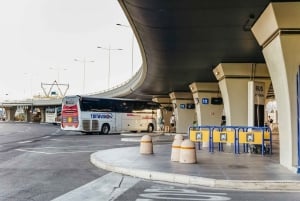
x,y
39,152
46,137
49,153
24,142
56,132
172,193
107,187
67,147
62,150
75,146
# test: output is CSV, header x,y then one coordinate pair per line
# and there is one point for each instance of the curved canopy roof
x,y
182,41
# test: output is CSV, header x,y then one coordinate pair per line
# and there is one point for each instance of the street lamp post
x,y
84,61
109,49
132,45
58,72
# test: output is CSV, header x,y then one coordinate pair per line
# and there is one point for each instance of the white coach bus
x,y
108,115
52,115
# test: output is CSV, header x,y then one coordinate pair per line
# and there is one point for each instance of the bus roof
x,y
106,98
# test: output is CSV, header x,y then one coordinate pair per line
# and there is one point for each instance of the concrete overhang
x,y
181,42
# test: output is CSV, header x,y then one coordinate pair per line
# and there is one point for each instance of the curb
x,y
277,185
141,134
138,139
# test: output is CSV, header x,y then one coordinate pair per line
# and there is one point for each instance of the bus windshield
x,y
52,114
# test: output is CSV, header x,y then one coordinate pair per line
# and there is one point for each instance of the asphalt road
x,y
40,162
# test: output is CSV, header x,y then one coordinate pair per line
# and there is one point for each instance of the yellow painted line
x,y
187,147
146,141
178,147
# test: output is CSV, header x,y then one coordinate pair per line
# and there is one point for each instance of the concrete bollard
x,y
178,137
146,145
176,149
187,152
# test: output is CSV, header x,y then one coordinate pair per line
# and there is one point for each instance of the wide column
x,y
184,110
10,113
207,97
233,82
278,32
43,114
164,115
208,104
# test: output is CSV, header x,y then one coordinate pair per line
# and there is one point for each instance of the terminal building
x,y
213,63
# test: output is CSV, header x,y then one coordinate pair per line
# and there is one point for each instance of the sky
x,y
41,39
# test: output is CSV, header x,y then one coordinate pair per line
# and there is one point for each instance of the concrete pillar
x,y
43,114
207,113
166,112
233,82
27,114
183,115
278,32
10,113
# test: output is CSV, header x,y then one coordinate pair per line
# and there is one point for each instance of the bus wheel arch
x,y
105,128
150,128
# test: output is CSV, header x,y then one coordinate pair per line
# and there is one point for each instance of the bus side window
x,y
123,107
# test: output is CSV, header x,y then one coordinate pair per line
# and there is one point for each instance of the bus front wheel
x,y
150,128
105,129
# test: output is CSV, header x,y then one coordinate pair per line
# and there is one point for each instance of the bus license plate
x,y
69,119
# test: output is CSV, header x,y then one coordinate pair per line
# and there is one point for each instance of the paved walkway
x,y
218,169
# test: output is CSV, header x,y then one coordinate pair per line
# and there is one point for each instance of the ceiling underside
x,y
182,41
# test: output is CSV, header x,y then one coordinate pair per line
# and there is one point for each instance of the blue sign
x,y
182,106
101,115
205,101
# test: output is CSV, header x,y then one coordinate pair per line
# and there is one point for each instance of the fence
x,y
236,135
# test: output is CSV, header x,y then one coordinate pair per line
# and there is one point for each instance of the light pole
x,y
108,49
58,71
132,43
84,61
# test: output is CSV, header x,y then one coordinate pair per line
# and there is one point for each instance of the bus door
x,y
124,122
118,122
132,122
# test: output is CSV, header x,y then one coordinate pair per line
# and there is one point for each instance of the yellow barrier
x,y
199,135
254,137
223,136
233,135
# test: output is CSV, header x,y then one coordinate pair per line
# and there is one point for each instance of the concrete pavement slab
x,y
218,169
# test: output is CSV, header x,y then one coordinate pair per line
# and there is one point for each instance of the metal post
x,y
298,117
109,50
108,82
84,61
132,45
